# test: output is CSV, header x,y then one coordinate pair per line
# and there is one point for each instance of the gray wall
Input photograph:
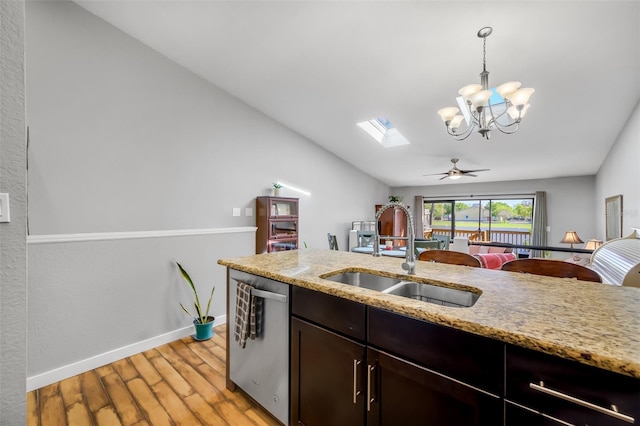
x,y
125,140
620,174
570,201
13,257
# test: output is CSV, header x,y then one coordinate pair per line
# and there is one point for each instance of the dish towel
x,y
246,322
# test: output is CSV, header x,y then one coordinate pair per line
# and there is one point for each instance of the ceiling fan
x,y
456,173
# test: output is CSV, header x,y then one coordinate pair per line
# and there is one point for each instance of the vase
x,y
276,192
203,331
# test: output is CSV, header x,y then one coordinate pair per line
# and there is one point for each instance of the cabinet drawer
x,y
472,359
569,391
341,315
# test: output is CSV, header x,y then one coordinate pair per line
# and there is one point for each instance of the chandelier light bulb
x,y
506,89
455,121
481,98
521,97
469,90
478,110
515,114
448,113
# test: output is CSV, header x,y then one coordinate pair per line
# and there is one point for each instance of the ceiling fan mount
x,y
456,173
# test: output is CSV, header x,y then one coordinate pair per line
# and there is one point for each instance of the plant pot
x,y
276,192
203,331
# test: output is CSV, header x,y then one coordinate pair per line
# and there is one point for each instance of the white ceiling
x,y
320,67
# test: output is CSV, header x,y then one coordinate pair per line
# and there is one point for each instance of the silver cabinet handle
x,y
356,392
370,399
269,295
613,412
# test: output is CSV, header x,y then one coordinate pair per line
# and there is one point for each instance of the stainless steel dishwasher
x,y
261,368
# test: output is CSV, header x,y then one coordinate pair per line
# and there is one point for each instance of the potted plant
x,y
394,199
276,189
202,321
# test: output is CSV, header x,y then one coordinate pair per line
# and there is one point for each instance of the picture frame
x,y
284,209
613,217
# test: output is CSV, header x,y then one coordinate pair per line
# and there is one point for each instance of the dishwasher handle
x,y
269,295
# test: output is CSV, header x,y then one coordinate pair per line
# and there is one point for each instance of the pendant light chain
x,y
484,54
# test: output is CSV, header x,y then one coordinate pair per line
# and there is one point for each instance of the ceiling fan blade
x,y
444,177
434,174
469,174
473,171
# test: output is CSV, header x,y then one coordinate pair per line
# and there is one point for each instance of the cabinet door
x,y
401,393
566,390
327,377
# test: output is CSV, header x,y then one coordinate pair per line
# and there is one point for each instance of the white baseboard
x,y
70,370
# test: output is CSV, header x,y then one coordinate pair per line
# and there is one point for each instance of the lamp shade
x,y
481,98
469,90
521,96
507,89
448,113
571,237
592,244
455,122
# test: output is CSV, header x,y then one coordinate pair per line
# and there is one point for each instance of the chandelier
x,y
484,109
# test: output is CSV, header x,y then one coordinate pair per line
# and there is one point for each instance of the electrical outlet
x,y
4,208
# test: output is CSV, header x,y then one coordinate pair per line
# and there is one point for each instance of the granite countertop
x,y
592,323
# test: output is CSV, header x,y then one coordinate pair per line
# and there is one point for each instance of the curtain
x,y
418,214
539,230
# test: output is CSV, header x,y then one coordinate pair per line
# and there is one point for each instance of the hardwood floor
x,y
181,383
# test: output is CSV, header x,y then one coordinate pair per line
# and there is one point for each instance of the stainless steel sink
x,y
434,294
425,292
364,280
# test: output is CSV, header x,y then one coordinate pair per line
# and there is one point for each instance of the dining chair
x,y
333,241
552,268
451,257
426,245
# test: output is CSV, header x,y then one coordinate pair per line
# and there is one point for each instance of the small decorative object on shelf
x,y
276,189
277,222
394,199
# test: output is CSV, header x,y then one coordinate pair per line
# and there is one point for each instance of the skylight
x,y
383,131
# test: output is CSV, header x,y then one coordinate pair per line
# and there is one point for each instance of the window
x,y
495,219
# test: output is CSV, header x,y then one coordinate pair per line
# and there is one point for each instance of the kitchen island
x,y
587,323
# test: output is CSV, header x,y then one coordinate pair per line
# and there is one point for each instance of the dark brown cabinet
x,y
545,390
326,377
277,223
403,392
342,375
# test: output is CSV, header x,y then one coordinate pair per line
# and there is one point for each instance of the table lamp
x,y
571,237
592,244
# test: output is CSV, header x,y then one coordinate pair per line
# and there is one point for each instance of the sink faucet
x,y
409,264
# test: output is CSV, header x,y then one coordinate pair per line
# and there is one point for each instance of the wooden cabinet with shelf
x,y
277,222
392,222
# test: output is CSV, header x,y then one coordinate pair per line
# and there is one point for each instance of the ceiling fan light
x,y
455,121
447,114
454,176
514,113
507,89
481,98
521,97
469,90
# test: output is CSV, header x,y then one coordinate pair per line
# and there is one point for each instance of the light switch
x,y
548,228
4,208
236,211
248,211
